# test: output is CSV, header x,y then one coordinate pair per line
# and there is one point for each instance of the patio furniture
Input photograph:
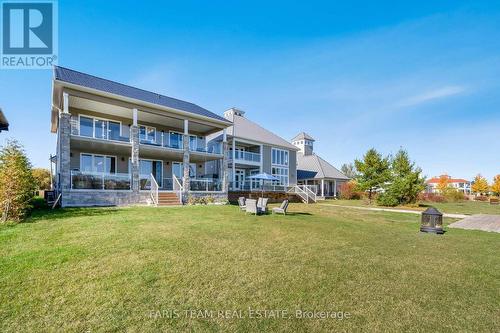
x,y
251,206
281,209
241,203
262,205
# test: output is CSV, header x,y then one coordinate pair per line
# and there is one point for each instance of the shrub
x,y
348,190
17,184
431,197
386,199
481,198
210,199
454,195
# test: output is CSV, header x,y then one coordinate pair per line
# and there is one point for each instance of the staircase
x,y
168,199
304,192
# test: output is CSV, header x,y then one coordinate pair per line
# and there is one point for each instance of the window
x,y
279,157
97,163
281,174
100,128
147,133
178,170
176,140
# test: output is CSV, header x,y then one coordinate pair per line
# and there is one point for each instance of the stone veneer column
x,y
134,138
225,173
64,155
185,165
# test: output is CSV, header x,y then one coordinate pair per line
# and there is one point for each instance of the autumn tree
x,y
349,170
444,184
495,186
373,171
17,184
480,185
42,178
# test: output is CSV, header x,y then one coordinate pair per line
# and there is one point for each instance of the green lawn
x,y
463,207
131,269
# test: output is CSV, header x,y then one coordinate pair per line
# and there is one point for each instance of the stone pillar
x,y
225,173
134,158
64,153
185,162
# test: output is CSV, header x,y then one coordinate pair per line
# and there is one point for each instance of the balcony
x,y
98,129
244,157
82,180
205,185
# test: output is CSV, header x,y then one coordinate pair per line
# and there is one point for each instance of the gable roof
x,y
93,82
303,136
246,129
436,180
314,163
4,124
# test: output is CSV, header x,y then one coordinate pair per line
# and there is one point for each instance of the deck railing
x,y
244,156
205,185
85,180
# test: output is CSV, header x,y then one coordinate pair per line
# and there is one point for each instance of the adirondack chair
x,y
262,205
241,203
251,206
281,209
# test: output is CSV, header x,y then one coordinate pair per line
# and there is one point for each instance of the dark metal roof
x,y
97,83
305,174
4,124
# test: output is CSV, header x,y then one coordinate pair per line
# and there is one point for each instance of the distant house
x,y
460,184
4,124
314,170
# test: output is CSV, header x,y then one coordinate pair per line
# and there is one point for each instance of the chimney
x,y
229,114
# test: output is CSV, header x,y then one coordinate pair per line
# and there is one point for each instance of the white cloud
x,y
433,95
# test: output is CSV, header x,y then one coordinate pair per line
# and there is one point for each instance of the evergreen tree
x,y
17,184
373,171
406,182
349,170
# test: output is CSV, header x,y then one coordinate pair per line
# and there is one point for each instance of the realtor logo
x,y
29,34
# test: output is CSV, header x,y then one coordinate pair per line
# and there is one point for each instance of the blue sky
x,y
383,74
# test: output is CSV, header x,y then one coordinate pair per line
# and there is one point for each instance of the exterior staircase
x,y
168,199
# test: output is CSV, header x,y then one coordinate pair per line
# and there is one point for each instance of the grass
x,y
130,269
463,207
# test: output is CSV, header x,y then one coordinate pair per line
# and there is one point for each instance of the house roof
x,y
314,163
93,82
244,128
4,124
435,180
303,136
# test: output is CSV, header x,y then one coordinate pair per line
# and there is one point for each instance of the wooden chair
x,y
262,205
242,203
281,209
251,206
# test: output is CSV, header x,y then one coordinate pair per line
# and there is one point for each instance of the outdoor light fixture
x,y
432,221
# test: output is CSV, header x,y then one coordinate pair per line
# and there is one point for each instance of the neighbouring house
x,y
253,149
120,145
4,124
314,170
461,185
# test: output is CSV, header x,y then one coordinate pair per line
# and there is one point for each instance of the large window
x,y
147,133
100,128
178,170
279,157
176,140
281,174
97,163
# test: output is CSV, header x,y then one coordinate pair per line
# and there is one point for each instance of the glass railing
x,y
104,133
81,180
205,185
162,140
244,156
209,149
256,185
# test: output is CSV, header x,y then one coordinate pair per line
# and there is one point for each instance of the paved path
x,y
455,216
479,222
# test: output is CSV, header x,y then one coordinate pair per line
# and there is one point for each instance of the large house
x,y
120,145
4,124
461,185
314,170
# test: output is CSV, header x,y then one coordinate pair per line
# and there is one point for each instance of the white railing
x,y
86,180
205,185
300,192
310,190
178,188
244,156
154,190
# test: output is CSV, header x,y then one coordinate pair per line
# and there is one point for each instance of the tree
x,y
373,171
443,184
42,178
349,170
405,184
495,187
480,185
17,184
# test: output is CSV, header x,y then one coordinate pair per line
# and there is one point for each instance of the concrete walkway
x,y
394,210
479,222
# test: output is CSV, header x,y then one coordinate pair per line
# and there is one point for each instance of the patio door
x,y
239,179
